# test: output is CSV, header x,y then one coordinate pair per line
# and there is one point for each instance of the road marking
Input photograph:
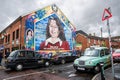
x,y
69,72
24,75
72,75
115,63
69,66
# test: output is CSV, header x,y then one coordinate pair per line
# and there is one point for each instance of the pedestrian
x,y
7,53
1,58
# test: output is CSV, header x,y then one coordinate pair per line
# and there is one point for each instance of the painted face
x,y
29,33
53,29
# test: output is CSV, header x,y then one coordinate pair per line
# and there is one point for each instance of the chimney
x,y
90,34
93,34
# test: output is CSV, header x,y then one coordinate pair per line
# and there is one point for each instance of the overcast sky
x,y
86,15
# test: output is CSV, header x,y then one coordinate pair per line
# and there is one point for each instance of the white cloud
x,y
84,14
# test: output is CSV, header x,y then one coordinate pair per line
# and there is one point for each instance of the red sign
x,y
106,15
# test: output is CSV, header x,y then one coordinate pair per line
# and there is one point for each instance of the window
x,y
21,54
107,52
88,40
6,39
9,38
94,41
13,36
37,55
30,54
102,53
17,34
91,52
99,42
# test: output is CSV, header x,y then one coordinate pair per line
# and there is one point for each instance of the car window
x,y
102,53
30,54
117,51
64,54
107,52
91,52
21,54
67,54
13,53
37,55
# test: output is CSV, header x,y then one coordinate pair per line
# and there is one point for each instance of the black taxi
x,y
20,59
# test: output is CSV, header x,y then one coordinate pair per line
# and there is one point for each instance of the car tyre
x,y
97,69
63,61
19,67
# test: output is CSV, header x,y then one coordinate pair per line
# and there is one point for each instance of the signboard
x,y
106,14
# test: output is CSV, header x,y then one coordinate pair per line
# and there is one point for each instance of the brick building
x,y
89,40
15,36
116,41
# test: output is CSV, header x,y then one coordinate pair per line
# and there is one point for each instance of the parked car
x,y
116,55
64,57
92,58
20,59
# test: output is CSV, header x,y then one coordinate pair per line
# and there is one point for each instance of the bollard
x,y
102,70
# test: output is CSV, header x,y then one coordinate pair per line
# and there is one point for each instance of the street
x,y
62,70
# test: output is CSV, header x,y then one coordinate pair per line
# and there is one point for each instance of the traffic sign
x,y
106,14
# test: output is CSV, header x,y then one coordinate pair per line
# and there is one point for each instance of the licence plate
x,y
81,68
40,61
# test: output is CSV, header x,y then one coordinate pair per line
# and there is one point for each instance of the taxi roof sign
x,y
106,14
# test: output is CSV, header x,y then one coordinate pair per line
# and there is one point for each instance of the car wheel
x,y
63,61
47,63
19,67
97,69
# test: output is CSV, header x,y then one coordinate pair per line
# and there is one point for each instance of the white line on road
x,y
23,75
69,65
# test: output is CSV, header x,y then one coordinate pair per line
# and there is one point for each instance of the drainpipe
x,y
20,30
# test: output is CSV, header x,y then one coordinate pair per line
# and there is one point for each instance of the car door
x,y
30,59
102,55
68,56
38,58
20,58
107,57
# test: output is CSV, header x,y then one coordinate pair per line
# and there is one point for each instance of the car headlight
x,y
75,61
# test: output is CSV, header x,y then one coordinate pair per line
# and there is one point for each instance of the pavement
x,y
108,73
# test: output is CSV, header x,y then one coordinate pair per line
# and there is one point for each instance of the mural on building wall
x,y
48,29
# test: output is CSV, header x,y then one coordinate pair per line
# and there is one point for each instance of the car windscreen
x,y
91,52
12,54
117,51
